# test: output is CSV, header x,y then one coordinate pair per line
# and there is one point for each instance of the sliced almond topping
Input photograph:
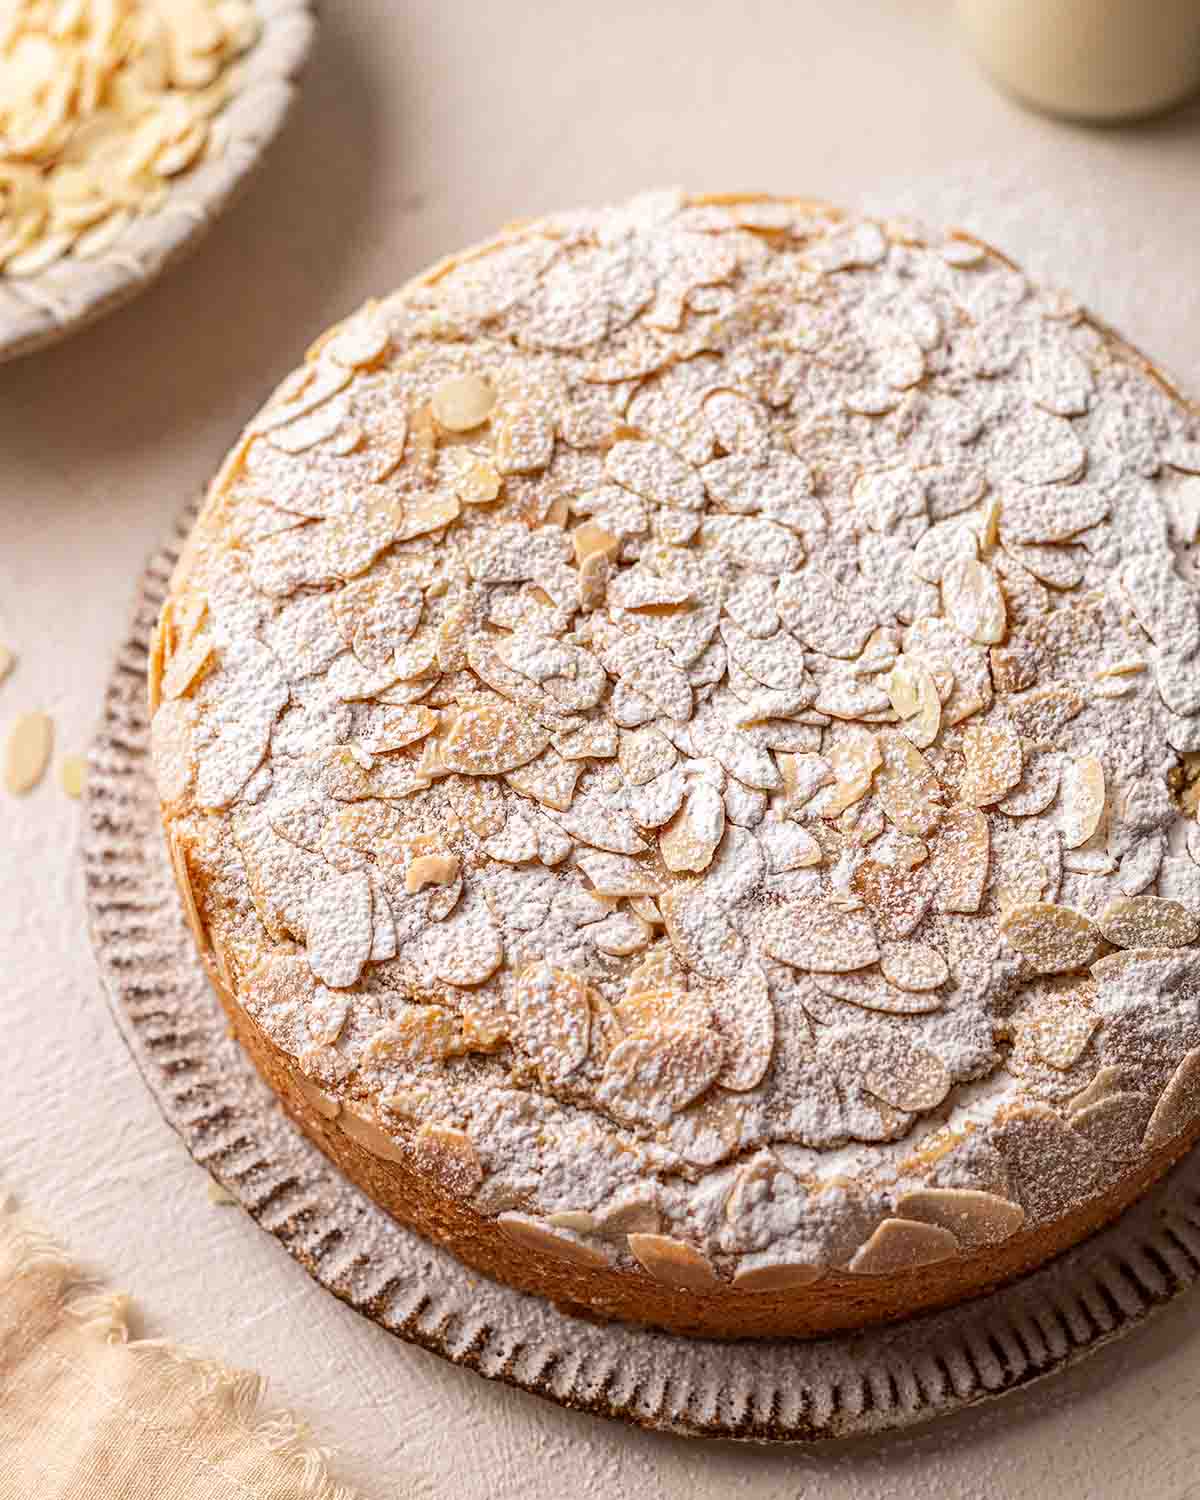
x,y
186,666
534,1234
902,1245
914,966
914,696
486,741
340,928
476,482
1178,1104
28,752
478,802
1147,922
591,538
1083,797
1038,786
673,1262
431,869
994,762
644,754
690,840
775,1275
416,1034
1115,1125
523,437
811,934
972,600
959,859
1108,1081
463,402
371,1137
804,774
1055,939
449,1156
554,1014
906,1076
868,989
171,750
745,1016
647,1079
618,875
907,788
621,934
853,760
466,949
974,1218
789,847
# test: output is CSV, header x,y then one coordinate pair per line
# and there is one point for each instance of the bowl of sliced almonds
x,y
125,127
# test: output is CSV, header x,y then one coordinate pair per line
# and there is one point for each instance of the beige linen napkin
x,y
88,1414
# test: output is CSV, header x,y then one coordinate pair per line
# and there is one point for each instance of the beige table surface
x,y
424,124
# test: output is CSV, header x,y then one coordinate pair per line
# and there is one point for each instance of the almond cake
x,y
675,733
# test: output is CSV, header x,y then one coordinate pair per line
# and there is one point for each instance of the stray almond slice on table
x,y
28,752
673,1261
1055,939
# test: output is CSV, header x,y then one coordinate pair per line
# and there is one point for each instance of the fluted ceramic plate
x,y
765,1390
41,309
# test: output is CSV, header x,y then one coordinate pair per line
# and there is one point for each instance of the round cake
x,y
675,733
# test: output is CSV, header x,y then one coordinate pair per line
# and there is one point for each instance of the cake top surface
x,y
688,707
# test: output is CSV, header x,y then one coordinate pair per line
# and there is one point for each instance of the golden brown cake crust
x,y
675,735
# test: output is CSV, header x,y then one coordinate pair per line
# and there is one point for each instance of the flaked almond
x,y
463,402
621,934
1055,939
618,875
906,785
974,1218
763,1274
804,773
28,752
448,1155
1038,786
868,989
914,695
906,1076
994,760
902,1245
466,949
690,840
172,752
914,966
1083,799
745,1016
554,1019
853,760
417,1034
644,754
1147,922
530,1233
673,1262
812,934
476,482
649,1078
431,869
186,666
523,437
486,741
590,538
973,601
959,860
478,802
1178,1104
1114,1126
